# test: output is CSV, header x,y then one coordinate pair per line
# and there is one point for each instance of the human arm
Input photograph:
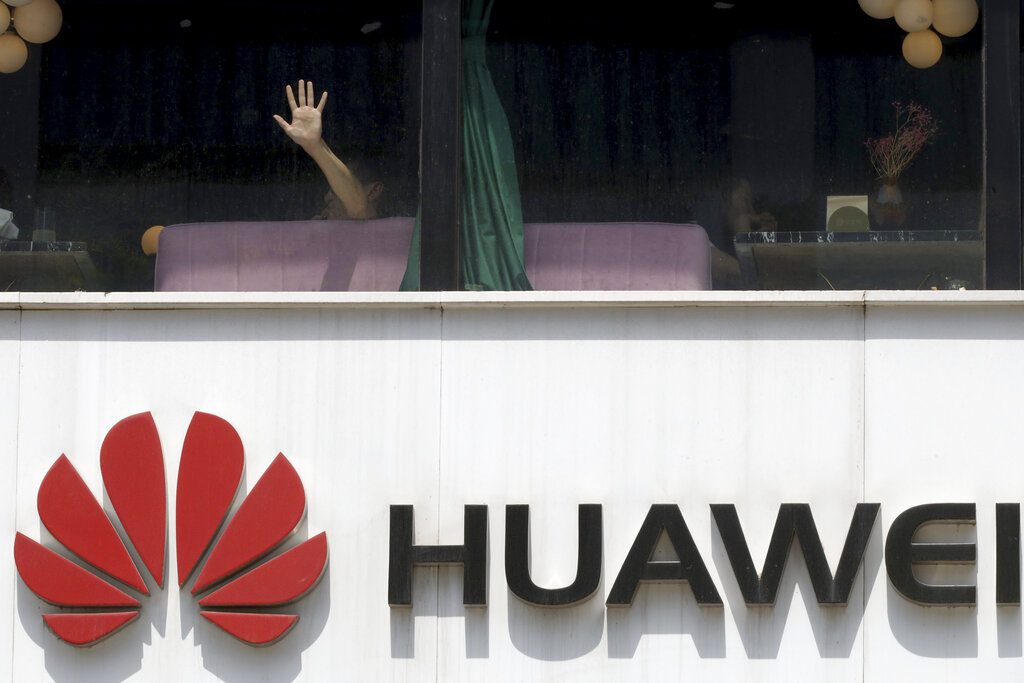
x,y
306,130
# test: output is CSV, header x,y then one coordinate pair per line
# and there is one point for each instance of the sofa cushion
x,y
371,256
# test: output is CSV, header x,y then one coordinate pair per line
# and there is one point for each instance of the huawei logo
x,y
209,476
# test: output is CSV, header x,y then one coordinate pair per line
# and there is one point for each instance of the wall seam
x,y
440,458
14,500
864,481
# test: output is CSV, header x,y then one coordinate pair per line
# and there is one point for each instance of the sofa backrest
x,y
371,256
617,256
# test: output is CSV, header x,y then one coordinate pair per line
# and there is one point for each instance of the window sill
x,y
460,300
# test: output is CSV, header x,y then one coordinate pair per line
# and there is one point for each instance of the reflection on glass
x,y
724,145
491,236
160,113
746,118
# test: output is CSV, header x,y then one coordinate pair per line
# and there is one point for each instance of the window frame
x,y
441,146
1001,65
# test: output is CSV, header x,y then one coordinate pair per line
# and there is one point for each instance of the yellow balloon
x,y
922,49
913,15
13,53
39,21
954,18
151,240
5,18
879,9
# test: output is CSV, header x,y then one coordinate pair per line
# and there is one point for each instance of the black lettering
x,y
517,559
902,553
639,566
795,521
472,555
1007,553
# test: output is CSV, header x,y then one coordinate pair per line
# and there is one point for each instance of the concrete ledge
x,y
550,299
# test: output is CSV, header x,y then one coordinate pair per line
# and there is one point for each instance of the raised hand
x,y
306,127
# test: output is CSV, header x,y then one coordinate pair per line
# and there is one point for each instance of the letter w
x,y
795,520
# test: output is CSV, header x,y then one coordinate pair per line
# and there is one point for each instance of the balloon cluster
x,y
29,21
922,46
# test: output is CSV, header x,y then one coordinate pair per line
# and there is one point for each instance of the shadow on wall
x,y
114,659
665,609
936,632
835,628
233,661
437,592
119,657
424,604
540,632
561,634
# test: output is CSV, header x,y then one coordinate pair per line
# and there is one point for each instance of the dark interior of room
x,y
160,112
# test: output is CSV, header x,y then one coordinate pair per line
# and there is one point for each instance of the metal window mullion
x,y
1002,103
441,145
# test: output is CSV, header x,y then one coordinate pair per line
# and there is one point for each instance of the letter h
x,y
472,555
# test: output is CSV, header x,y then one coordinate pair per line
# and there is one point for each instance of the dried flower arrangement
x,y
890,155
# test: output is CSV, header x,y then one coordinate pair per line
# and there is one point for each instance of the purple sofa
x,y
275,256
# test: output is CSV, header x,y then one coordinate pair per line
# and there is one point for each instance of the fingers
x,y
305,97
281,122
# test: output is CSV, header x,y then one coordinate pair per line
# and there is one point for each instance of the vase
x,y
886,206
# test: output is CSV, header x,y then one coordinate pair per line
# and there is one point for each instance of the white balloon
x,y
17,3
922,49
954,18
13,53
879,9
913,15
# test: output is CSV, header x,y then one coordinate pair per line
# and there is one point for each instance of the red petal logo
x,y
133,474
209,475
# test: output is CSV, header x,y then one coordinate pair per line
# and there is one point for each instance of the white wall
x,y
552,403
10,322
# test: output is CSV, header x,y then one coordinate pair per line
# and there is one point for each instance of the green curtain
x,y
492,220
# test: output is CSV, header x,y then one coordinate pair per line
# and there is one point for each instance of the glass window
x,y
159,113
724,145
756,122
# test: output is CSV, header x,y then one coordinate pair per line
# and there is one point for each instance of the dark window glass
x,y
708,145
159,113
751,120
